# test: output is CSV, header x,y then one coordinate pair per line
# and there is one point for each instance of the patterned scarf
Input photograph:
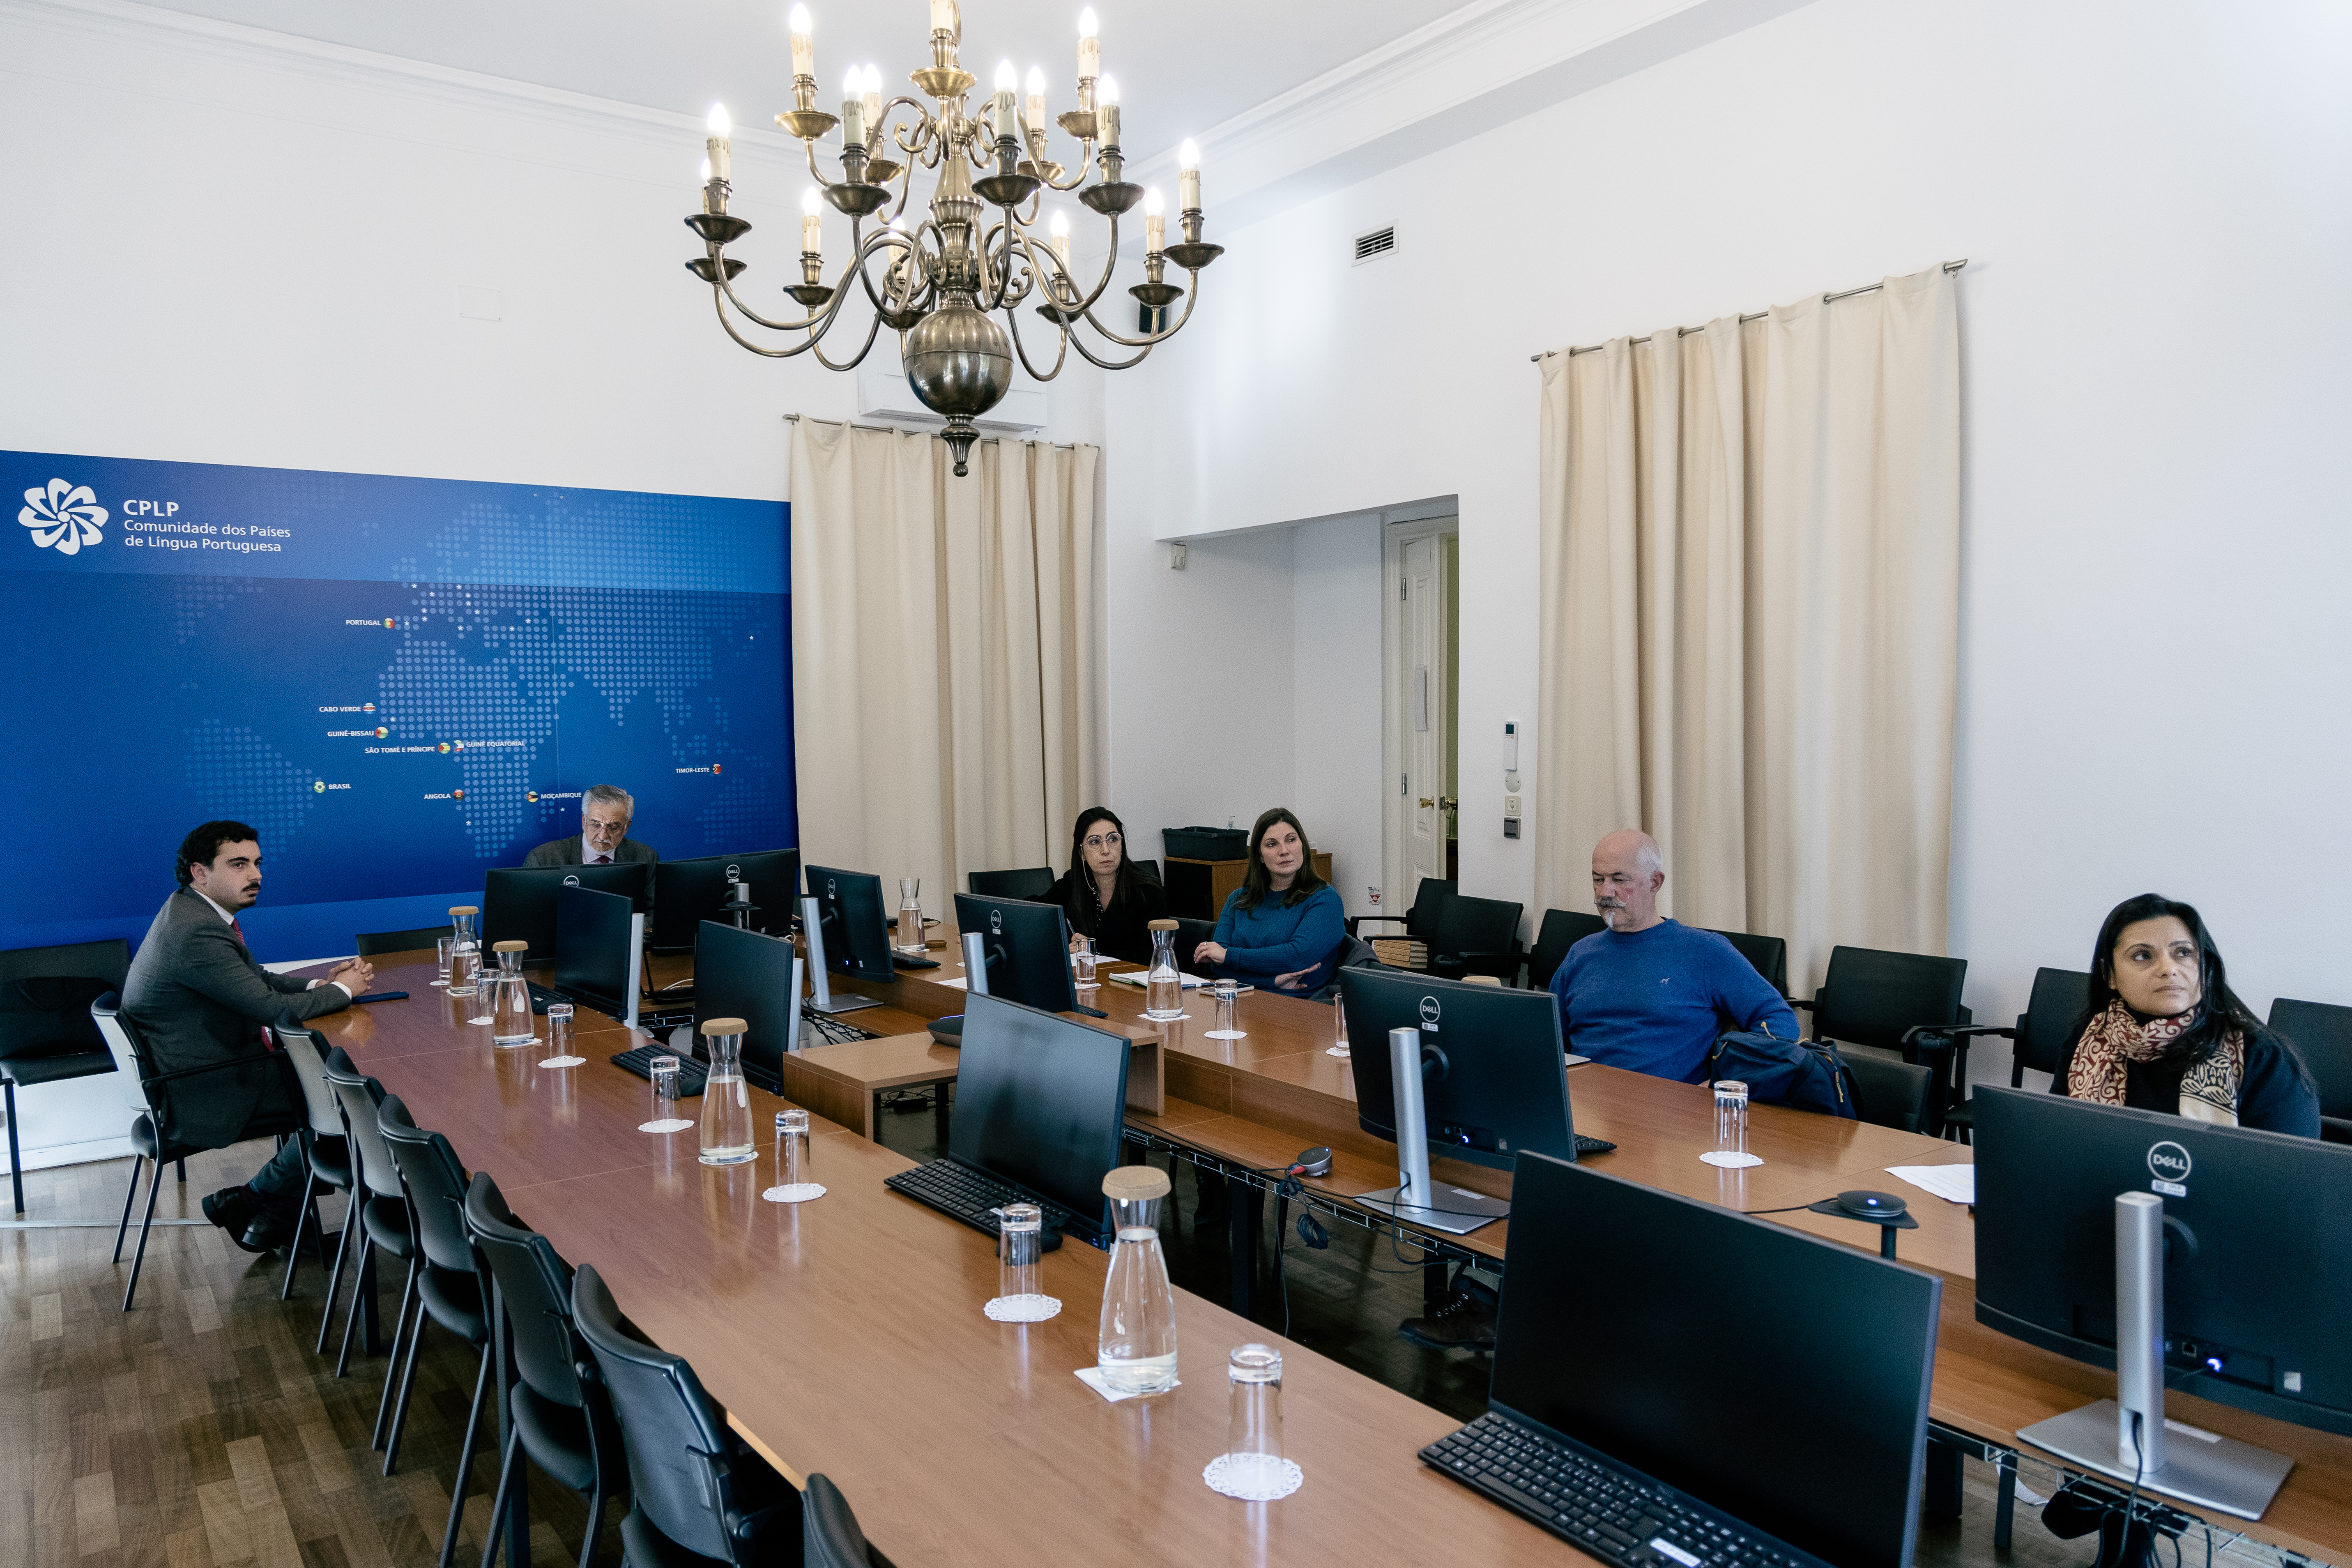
x,y
2115,1038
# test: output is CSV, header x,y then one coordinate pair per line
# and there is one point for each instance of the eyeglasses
x,y
1103,841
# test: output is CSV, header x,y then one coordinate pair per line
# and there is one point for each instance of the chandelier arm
x,y
925,128
1013,318
872,328
809,146
719,303
1153,339
726,286
1095,360
1110,266
880,239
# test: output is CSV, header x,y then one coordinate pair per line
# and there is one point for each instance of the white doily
x,y
1023,1308
1253,1478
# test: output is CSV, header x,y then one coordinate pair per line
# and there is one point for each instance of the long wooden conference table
x,y
845,1336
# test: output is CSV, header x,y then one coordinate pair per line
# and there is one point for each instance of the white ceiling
x,y
1181,69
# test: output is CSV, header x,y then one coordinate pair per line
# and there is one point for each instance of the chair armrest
x,y
1356,920
1501,965
145,1079
1949,1032
1807,1003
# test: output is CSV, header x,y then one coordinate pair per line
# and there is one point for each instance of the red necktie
x,y
601,860
238,930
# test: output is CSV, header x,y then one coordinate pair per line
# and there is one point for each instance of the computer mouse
x,y
1865,1204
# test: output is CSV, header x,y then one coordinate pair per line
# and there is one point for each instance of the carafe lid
x,y
1164,925
724,1026
464,910
1132,1183
509,946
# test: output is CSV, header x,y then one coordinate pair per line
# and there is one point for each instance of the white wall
x,y
1336,786
2153,652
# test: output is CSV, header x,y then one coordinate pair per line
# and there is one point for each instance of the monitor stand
x,y
2177,1460
1415,1199
823,1000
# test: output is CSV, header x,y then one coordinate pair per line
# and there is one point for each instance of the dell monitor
x,y
519,901
1771,1375
744,975
852,923
2257,1256
1042,1101
599,950
1028,949
689,892
1495,1073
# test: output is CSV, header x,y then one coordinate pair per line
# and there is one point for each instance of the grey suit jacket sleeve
x,y
214,965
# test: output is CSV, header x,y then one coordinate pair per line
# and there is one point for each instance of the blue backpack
x,y
1807,1074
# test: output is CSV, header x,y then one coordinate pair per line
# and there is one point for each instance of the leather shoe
x,y
267,1233
1461,1323
231,1208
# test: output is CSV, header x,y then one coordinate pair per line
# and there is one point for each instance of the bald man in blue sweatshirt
x,y
1651,994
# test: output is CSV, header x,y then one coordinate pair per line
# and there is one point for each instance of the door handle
x,y
1426,803
1448,801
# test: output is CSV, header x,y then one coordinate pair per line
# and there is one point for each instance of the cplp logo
x,y
63,517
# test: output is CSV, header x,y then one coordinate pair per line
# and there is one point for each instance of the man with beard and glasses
x,y
1649,993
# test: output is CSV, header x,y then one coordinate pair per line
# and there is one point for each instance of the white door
x,y
1421,688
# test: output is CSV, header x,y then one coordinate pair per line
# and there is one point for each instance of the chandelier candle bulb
x,y
1106,115
720,127
1034,90
1155,222
811,223
1089,46
945,17
853,109
1188,177
705,186
804,46
1008,81
1058,239
872,100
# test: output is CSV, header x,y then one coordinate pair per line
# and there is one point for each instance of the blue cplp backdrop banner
x,y
400,682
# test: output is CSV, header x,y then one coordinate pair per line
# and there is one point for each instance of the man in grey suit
x,y
605,812
198,998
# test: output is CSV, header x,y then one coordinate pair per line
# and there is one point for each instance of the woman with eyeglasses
x,y
1110,898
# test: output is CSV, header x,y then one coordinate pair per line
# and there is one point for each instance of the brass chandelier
x,y
944,271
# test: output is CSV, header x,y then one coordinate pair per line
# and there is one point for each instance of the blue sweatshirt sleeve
x,y
1751,1002
1226,918
1319,929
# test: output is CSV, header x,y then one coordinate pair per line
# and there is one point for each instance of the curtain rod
x,y
1686,331
911,430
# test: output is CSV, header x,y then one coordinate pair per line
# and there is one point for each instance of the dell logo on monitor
x,y
1428,1012
571,881
2168,1161
996,922
734,873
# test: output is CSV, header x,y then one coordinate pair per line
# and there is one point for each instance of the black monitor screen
x,y
854,927
595,948
689,892
1040,1101
1778,1377
1027,946
1496,1073
519,901
2258,1254
742,974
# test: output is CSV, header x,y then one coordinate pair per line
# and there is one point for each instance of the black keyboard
x,y
830,1030
1621,1516
1593,1145
909,960
541,996
964,1193
640,1061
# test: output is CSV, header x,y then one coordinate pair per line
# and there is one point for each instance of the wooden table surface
x,y
1256,1101
845,1335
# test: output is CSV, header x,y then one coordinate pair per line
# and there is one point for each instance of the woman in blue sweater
x,y
1282,928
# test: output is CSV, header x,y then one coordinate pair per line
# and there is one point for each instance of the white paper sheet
x,y
1954,1184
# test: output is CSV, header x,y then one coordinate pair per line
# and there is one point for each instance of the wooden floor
x,y
200,1430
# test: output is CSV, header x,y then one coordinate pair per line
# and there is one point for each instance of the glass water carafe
x,y
465,950
1163,984
1135,1350
726,1098
911,914
510,998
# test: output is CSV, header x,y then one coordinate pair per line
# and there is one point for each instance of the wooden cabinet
x,y
1197,889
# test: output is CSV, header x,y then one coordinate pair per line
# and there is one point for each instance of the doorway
x,y
1419,703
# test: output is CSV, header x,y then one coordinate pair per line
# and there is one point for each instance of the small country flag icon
x,y
461,745
459,794
443,748
717,769
380,731
531,796
318,787
388,623
367,707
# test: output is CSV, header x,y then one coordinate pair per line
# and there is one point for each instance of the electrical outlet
x,y
1511,805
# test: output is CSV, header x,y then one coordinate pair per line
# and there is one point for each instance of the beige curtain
x,y
1751,617
947,692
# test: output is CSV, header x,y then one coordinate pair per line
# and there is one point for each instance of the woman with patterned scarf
x,y
2166,1033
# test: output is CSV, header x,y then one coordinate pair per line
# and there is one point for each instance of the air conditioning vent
x,y
1378,243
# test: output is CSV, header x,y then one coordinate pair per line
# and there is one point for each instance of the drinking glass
x,y
662,1074
1226,994
1338,1024
1730,1126
441,956
464,962
1020,1242
793,1183
1251,1466
1083,961
559,1036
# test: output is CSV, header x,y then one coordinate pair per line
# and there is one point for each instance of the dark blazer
x,y
566,852
2275,1096
198,998
1124,929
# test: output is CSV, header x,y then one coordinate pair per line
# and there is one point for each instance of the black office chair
x,y
424,937
324,1149
693,1485
1355,952
2043,1032
1890,1000
1477,936
453,1287
829,1534
154,1133
377,1222
1767,954
1890,1094
2322,1032
557,1419
1029,882
1421,920
1190,934
46,1035
1561,930
1146,869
